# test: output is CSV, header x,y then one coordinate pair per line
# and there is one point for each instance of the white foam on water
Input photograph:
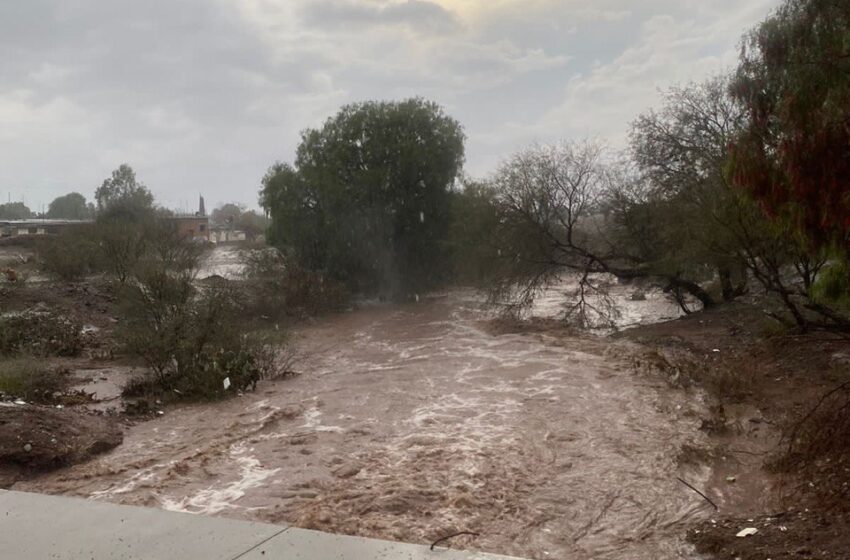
x,y
215,498
312,421
143,476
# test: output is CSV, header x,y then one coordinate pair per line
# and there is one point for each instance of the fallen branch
x,y
438,541
707,499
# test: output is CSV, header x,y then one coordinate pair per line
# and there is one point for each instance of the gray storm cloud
x,y
201,96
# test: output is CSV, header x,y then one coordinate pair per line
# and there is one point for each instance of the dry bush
x,y
40,333
817,448
277,289
70,256
677,370
191,336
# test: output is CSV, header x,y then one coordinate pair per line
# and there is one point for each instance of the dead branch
x,y
706,498
447,537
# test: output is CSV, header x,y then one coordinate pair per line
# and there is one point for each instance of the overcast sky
x,y
201,96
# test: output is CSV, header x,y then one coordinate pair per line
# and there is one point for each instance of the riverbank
x,y
410,422
761,381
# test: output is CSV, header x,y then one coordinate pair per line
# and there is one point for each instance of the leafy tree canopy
x,y
15,211
227,213
367,201
121,195
794,80
71,206
236,216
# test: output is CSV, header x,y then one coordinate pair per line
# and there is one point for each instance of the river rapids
x,y
410,422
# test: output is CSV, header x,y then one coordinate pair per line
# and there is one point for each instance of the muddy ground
x,y
782,375
601,481
84,417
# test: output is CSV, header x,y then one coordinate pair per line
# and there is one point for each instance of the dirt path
x,y
413,422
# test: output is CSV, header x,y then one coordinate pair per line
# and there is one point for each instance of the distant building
x,y
193,226
20,228
225,234
196,228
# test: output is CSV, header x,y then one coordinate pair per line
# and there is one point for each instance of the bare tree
x,y
682,151
555,204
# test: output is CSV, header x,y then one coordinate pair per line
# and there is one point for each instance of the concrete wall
x,y
37,227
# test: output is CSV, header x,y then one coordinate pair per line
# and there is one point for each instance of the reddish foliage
x,y
794,157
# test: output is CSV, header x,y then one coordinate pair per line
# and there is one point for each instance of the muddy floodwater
x,y
412,422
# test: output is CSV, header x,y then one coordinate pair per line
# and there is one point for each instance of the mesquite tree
x,y
681,150
560,209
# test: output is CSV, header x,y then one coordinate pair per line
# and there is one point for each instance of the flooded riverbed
x,y
413,422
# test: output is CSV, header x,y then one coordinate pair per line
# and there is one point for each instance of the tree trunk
x,y
726,287
695,290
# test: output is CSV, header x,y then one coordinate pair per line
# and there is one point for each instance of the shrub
x,y
277,288
40,334
209,374
23,378
831,286
190,336
70,256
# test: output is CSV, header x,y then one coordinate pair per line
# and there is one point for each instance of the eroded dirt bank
x,y
762,381
413,422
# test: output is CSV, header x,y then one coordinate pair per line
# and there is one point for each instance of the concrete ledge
x,y
35,527
313,545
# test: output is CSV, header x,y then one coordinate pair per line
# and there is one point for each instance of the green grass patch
x,y
25,378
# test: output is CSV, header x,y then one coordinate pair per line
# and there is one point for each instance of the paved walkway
x,y
36,527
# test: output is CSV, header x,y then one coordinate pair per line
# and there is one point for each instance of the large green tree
x,y
794,81
122,195
367,201
71,206
15,211
227,214
125,219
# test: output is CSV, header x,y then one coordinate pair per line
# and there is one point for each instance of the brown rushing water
x,y
411,422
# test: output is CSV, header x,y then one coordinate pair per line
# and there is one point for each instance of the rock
x,y
45,437
748,532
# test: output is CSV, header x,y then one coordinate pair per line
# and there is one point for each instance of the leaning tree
x,y
560,210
